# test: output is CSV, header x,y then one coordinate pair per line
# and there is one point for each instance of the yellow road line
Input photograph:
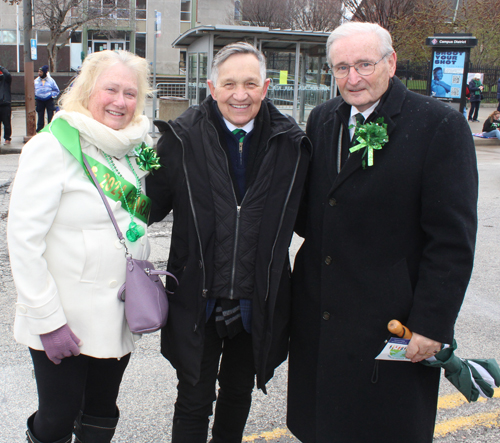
x,y
488,419
455,400
276,433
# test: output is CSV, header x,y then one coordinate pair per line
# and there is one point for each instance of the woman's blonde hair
x,y
76,96
492,115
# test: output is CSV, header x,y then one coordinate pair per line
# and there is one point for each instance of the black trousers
x,y
41,106
474,109
77,383
236,376
5,115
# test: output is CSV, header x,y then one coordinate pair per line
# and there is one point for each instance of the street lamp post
x,y
29,85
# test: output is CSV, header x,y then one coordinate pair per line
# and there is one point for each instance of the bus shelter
x,y
296,63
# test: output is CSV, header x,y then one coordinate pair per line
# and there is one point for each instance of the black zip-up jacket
x,y
182,185
5,81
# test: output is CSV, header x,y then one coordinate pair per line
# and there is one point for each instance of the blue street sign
x,y
33,48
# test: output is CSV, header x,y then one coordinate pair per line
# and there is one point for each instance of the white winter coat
x,y
66,259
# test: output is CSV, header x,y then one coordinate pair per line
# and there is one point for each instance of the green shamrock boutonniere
x,y
370,136
146,158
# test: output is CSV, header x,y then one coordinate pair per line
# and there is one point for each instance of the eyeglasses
x,y
362,68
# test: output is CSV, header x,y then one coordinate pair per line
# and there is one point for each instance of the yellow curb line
x,y
488,419
276,433
455,400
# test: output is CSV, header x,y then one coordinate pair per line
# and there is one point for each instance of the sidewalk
x,y
19,129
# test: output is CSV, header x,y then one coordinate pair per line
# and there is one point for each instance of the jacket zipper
x,y
205,290
238,212
282,215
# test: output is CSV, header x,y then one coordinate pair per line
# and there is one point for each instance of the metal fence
x,y
170,90
491,76
415,77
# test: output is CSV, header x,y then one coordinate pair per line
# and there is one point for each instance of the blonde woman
x,y
66,260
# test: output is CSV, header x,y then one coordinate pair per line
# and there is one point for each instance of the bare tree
x,y
409,31
64,17
316,15
481,18
271,13
307,15
382,12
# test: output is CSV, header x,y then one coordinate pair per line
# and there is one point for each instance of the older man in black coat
x,y
388,234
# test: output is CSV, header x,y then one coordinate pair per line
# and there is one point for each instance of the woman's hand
x,y
60,343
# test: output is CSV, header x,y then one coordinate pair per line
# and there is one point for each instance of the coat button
x,y
118,204
22,309
328,259
332,202
118,244
113,284
143,240
326,315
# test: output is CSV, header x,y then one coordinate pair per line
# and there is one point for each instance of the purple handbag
x,y
146,302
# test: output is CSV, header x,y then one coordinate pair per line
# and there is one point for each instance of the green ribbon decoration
x,y
114,188
146,159
370,137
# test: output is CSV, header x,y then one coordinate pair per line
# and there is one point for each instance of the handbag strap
x,y
105,200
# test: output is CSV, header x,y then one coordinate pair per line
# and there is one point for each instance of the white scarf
x,y
116,143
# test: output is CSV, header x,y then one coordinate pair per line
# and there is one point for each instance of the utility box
x,y
172,107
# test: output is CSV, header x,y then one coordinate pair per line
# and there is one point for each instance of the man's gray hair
x,y
236,48
353,28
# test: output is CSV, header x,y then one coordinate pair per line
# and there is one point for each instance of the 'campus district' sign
x,y
447,73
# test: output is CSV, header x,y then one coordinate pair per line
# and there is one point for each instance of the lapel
x,y
388,108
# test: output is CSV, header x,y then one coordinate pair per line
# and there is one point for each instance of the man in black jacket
x,y
389,223
232,172
5,104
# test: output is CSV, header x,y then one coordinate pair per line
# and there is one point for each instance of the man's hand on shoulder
x,y
421,348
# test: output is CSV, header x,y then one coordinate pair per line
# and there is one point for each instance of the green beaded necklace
x,y
134,230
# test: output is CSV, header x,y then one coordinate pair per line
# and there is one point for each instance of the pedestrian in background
x,y
5,104
389,232
46,90
476,95
491,127
498,94
66,260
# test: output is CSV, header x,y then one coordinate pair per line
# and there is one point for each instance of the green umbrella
x,y
472,377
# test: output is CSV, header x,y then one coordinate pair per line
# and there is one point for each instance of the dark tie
x,y
359,121
240,134
345,146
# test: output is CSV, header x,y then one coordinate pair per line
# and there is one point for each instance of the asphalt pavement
x,y
149,387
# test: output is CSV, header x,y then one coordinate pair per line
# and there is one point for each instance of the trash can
x,y
172,107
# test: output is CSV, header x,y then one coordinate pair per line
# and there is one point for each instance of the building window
x,y
140,9
8,37
115,9
185,10
237,11
140,45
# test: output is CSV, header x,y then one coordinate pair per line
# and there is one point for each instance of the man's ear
x,y
211,86
392,60
266,86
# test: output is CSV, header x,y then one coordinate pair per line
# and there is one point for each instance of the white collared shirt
x,y
366,113
247,128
